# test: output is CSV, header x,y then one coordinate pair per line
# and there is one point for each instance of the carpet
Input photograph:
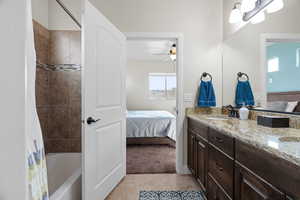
x,y
171,195
151,159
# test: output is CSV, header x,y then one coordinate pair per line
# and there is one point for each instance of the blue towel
x,y
207,96
244,95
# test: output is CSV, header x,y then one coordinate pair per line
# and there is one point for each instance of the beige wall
x,y
59,20
40,12
137,85
200,21
49,14
241,48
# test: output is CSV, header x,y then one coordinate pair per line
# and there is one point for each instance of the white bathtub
x,y
64,176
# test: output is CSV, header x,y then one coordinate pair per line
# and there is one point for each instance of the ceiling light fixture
x,y
254,10
248,5
258,18
275,6
236,14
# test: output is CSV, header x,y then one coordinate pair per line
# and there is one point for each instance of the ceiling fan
x,y
172,53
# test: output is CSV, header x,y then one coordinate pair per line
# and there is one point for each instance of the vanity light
x,y
258,18
248,5
235,15
275,6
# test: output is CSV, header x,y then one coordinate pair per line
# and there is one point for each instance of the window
x,y
162,85
273,65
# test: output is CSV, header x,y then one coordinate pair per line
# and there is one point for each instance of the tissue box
x,y
273,121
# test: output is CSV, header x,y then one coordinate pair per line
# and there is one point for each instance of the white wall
x,y
138,87
242,46
12,101
40,12
200,21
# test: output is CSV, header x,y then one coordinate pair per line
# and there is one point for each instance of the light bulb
x,y
248,5
235,16
258,18
275,6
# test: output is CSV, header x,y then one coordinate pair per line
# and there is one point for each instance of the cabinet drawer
x,y
223,142
214,191
280,173
198,128
221,168
248,186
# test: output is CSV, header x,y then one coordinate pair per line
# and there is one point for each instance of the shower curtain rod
x,y
69,13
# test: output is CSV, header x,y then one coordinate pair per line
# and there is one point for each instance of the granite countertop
x,y
282,142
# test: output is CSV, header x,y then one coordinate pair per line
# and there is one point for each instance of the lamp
x,y
258,18
235,15
275,6
248,5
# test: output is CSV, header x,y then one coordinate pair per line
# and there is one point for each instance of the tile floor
x,y
131,185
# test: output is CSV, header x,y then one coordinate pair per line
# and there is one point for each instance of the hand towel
x,y
244,95
207,96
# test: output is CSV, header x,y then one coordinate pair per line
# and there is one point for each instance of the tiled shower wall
x,y
58,93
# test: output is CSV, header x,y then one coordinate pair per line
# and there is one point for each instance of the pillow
x,y
297,108
277,106
291,106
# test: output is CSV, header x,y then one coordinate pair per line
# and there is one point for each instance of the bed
x,y
151,124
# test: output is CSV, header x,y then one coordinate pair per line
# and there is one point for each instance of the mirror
x,y
269,53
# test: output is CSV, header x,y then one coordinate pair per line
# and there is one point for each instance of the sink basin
x,y
217,118
289,139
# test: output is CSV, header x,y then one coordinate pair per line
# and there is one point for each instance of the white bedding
x,y
151,124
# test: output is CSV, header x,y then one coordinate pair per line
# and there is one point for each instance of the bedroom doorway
x,y
153,108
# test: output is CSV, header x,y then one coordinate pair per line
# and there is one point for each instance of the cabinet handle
x,y
219,167
201,144
219,139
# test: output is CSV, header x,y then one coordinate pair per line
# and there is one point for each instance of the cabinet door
x,y
191,152
214,191
202,159
248,186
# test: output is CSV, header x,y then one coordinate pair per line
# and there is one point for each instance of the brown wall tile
x,y
59,88
58,93
58,122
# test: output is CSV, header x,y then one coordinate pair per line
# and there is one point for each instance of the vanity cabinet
x,y
198,152
229,169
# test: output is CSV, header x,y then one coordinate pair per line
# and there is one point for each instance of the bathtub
x,y
64,176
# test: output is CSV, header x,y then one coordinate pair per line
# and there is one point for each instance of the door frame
x,y
180,167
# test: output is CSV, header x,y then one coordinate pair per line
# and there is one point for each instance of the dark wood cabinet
x,y
201,159
248,186
228,169
191,152
221,168
215,191
198,152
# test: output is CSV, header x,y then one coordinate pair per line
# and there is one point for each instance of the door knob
x,y
91,120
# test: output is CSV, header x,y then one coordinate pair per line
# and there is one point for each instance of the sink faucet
x,y
232,112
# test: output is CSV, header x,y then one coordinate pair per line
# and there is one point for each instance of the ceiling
x,y
147,50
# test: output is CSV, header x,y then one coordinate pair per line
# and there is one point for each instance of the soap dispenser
x,y
244,112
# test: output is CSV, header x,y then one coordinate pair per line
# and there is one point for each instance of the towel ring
x,y
240,75
204,75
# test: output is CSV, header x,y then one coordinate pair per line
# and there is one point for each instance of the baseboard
x,y
183,170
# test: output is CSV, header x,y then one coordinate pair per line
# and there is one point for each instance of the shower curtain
x,y
35,154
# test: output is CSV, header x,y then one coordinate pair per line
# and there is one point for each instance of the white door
x,y
104,135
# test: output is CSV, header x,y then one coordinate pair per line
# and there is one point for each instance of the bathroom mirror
x,y
269,53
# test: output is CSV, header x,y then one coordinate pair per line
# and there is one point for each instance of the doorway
x,y
154,63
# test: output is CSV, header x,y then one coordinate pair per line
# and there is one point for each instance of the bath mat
x,y
171,195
